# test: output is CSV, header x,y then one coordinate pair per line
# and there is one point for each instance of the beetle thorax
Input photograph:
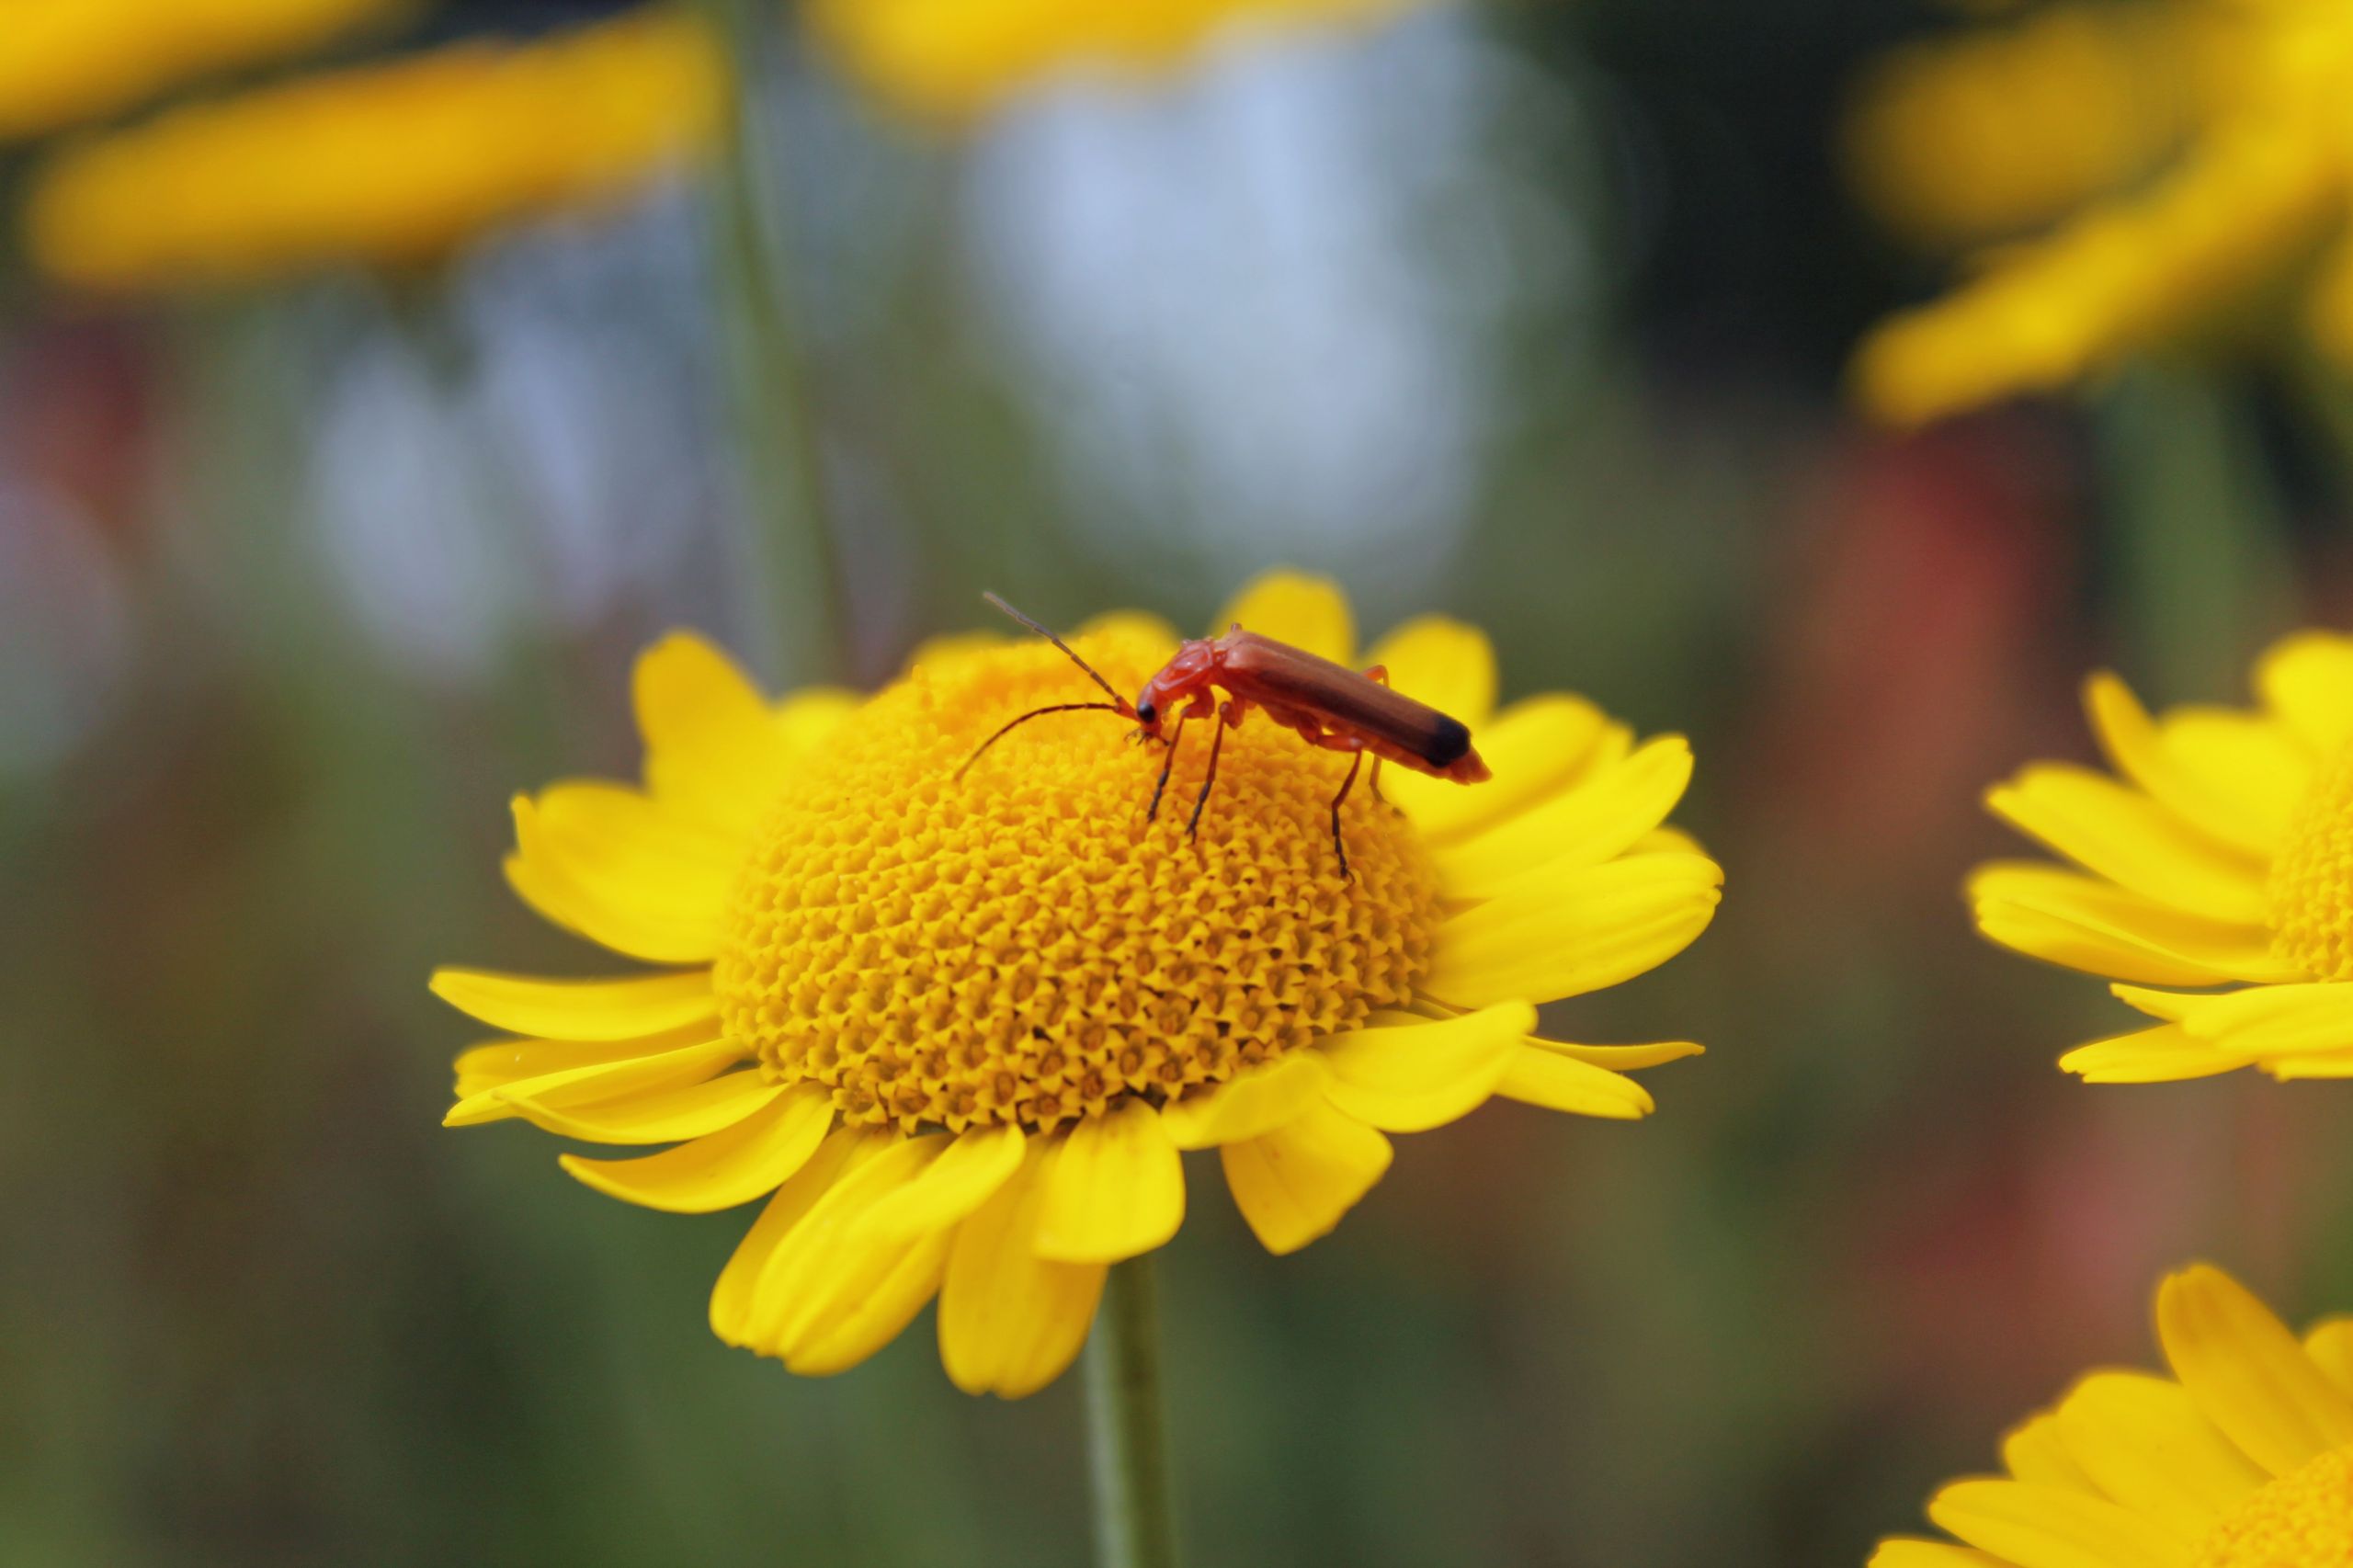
x,y
1188,674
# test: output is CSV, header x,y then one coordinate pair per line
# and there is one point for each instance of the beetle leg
x,y
1228,712
1381,674
1339,847
1166,768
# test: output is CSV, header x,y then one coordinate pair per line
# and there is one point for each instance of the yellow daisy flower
x,y
2068,111
394,164
2242,1458
68,61
2222,856
958,1032
955,59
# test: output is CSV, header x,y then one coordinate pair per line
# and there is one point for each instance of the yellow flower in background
x,y
2222,856
66,61
393,164
2242,1458
954,59
962,1030
2062,117
1995,130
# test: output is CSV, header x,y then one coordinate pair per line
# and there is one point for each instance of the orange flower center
x,y
1019,945
2310,894
2302,1520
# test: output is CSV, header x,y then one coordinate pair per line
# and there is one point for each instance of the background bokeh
x,y
1533,314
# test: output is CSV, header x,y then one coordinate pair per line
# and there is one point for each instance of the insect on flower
x,y
1329,705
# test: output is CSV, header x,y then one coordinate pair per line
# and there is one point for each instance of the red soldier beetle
x,y
1329,705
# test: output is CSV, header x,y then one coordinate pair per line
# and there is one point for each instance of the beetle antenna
x,y
1119,707
1121,703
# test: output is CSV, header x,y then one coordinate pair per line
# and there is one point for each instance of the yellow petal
x,y
2036,1453
1291,606
579,1009
2161,1055
1116,1189
813,1281
805,722
1415,1074
2087,948
499,1063
710,747
952,648
2140,1441
721,1169
978,1162
2334,1064
1623,1058
2066,918
1589,928
630,907
2248,1374
2125,836
1135,625
620,846
2251,760
731,1299
2307,680
600,816
650,1116
2264,1021
1009,1320
1545,1078
1898,1552
2330,1345
2137,748
1254,1101
2166,1005
1292,1185
655,1068
1535,749
1664,840
869,1308
2045,1527
1978,134
1600,818
1443,663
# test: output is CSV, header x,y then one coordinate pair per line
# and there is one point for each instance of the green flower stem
x,y
788,577
2199,537
1127,1427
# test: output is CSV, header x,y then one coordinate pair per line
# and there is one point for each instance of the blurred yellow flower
x,y
962,1030
2242,1458
393,164
1982,135
2223,856
2237,107
65,61
954,59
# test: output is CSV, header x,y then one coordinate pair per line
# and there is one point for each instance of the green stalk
x,y
787,576
1126,1425
2198,538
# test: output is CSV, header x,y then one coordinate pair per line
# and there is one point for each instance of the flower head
x,y
962,1029
73,60
2237,103
393,164
2242,1458
954,59
2223,856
